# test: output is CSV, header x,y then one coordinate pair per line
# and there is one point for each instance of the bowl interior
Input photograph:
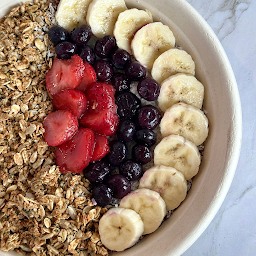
x,y
222,147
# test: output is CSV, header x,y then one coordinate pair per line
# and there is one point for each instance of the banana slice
x,y
179,153
149,205
168,182
102,16
172,62
150,42
120,228
72,13
127,24
181,87
187,121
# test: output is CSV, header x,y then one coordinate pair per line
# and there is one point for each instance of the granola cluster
x,y
42,212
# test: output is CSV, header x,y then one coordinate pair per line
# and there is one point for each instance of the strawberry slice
x,y
101,147
75,154
100,96
59,127
88,78
105,122
64,74
72,100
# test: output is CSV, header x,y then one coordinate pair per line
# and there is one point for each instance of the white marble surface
x,y
233,230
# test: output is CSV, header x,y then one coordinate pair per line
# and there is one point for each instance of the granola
x,y
42,212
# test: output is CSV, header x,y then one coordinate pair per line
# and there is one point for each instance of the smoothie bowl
x,y
128,149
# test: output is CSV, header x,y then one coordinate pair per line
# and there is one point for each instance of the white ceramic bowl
x,y
222,147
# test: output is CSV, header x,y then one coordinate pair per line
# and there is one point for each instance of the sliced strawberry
x,y
72,100
100,96
105,122
64,74
75,154
101,147
88,78
59,127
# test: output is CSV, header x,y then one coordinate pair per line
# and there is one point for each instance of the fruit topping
x,y
105,122
59,127
100,96
101,148
131,170
149,205
127,25
64,74
119,185
72,100
145,137
117,153
102,16
120,228
70,14
149,117
88,78
75,154
126,130
58,34
97,171
168,182
142,154
81,34
120,58
149,89
151,41
64,50
104,46
102,194
135,71
121,82
127,105
103,69
87,54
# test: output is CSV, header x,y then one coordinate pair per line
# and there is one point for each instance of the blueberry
x,y
104,46
127,105
103,70
81,34
98,171
142,154
87,54
121,82
149,117
149,89
102,194
119,185
126,130
120,58
145,137
131,170
117,152
135,71
65,50
58,34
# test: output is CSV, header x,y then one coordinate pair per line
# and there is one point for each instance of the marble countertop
x,y
233,230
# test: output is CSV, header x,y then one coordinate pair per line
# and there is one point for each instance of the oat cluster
x,y
42,212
